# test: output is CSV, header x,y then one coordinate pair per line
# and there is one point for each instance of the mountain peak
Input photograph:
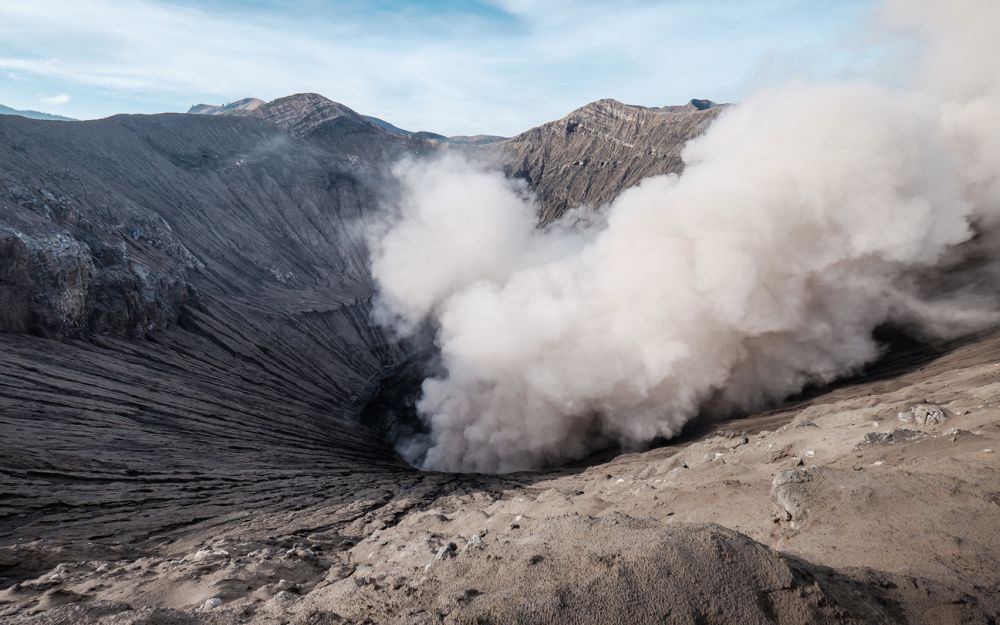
x,y
298,113
610,106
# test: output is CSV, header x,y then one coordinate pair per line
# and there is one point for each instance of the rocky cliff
x,y
595,152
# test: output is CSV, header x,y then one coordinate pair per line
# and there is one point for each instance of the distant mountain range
x,y
587,157
250,106
6,110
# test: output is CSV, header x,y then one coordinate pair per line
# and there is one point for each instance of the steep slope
x,y
214,269
596,151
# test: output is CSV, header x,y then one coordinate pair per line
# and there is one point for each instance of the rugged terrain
x,y
188,358
592,154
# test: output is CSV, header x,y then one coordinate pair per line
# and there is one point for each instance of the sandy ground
x,y
830,510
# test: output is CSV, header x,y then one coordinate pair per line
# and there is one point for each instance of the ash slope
x,y
187,349
210,297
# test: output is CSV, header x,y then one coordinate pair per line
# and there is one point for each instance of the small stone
x,y
283,585
210,554
467,596
213,603
790,492
446,551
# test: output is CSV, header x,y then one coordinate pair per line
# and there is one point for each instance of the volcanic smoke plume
x,y
803,220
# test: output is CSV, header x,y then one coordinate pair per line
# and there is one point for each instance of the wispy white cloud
x,y
495,67
57,100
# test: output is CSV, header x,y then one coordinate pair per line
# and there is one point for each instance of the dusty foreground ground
x,y
830,511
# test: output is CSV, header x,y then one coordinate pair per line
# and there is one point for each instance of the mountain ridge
x,y
593,153
303,102
6,110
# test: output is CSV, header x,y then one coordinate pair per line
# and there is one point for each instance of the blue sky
x,y
480,66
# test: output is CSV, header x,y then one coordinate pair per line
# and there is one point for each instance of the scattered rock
x,y
894,437
283,585
210,554
923,414
789,491
476,540
733,439
446,551
468,595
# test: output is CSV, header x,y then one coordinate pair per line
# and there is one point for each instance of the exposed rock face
x,y
76,256
923,414
595,152
302,113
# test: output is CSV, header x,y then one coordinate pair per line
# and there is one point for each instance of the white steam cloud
x,y
797,228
